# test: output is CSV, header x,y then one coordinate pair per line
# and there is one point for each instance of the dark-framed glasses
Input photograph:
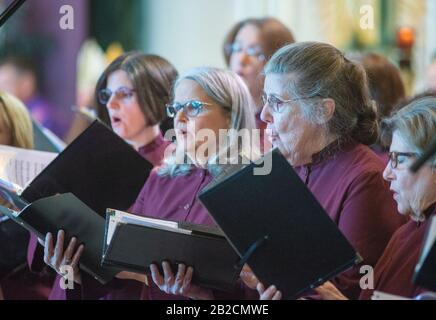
x,y
396,158
104,95
190,108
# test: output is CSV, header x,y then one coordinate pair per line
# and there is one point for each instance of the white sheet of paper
x,y
21,166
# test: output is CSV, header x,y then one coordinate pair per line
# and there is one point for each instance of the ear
x,y
325,110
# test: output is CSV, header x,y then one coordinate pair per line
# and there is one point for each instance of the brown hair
x,y
152,76
320,70
273,35
385,83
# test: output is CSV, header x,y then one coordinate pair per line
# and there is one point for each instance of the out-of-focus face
x,y
431,77
127,119
189,130
413,193
248,59
288,129
9,80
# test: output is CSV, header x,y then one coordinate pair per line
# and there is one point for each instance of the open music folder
x,y
278,227
99,168
134,242
67,212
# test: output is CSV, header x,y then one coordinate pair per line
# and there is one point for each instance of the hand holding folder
x,y
66,212
96,171
133,243
278,227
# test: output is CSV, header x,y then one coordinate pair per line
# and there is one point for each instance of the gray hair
x,y
416,123
230,92
318,70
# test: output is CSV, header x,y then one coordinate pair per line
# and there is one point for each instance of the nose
x,y
112,103
388,173
241,57
180,116
266,115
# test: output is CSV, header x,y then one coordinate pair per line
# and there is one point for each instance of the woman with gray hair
x,y
409,131
207,103
321,117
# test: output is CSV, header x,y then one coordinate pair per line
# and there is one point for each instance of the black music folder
x,y
425,272
278,227
133,242
98,167
66,212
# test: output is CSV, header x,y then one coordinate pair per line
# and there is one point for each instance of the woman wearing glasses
x,y
410,131
320,115
248,47
131,95
207,103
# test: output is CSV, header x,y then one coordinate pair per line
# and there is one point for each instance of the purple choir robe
x,y
175,199
347,180
170,198
394,272
152,152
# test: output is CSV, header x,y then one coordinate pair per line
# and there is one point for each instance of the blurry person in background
x,y
91,62
19,77
386,88
247,48
16,131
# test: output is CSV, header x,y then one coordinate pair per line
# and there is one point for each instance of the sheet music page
x,y
21,166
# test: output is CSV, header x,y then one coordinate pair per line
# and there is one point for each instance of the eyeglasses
x,y
191,108
277,104
104,95
252,51
396,158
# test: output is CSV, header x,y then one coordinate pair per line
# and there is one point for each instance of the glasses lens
x,y
192,108
123,93
236,47
104,96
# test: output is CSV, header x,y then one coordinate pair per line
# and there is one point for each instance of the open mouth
x,y
115,120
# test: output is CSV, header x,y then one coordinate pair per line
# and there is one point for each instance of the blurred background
x,y
190,33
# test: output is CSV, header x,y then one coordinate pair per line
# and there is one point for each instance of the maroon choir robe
x,y
175,199
163,197
346,178
394,271
152,152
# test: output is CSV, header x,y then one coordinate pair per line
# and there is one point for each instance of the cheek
x,y
288,128
233,63
134,116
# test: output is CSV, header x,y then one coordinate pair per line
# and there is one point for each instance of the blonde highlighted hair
x,y
16,120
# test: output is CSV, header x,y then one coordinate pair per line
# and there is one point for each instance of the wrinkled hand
x,y
328,291
248,277
56,257
269,294
179,284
